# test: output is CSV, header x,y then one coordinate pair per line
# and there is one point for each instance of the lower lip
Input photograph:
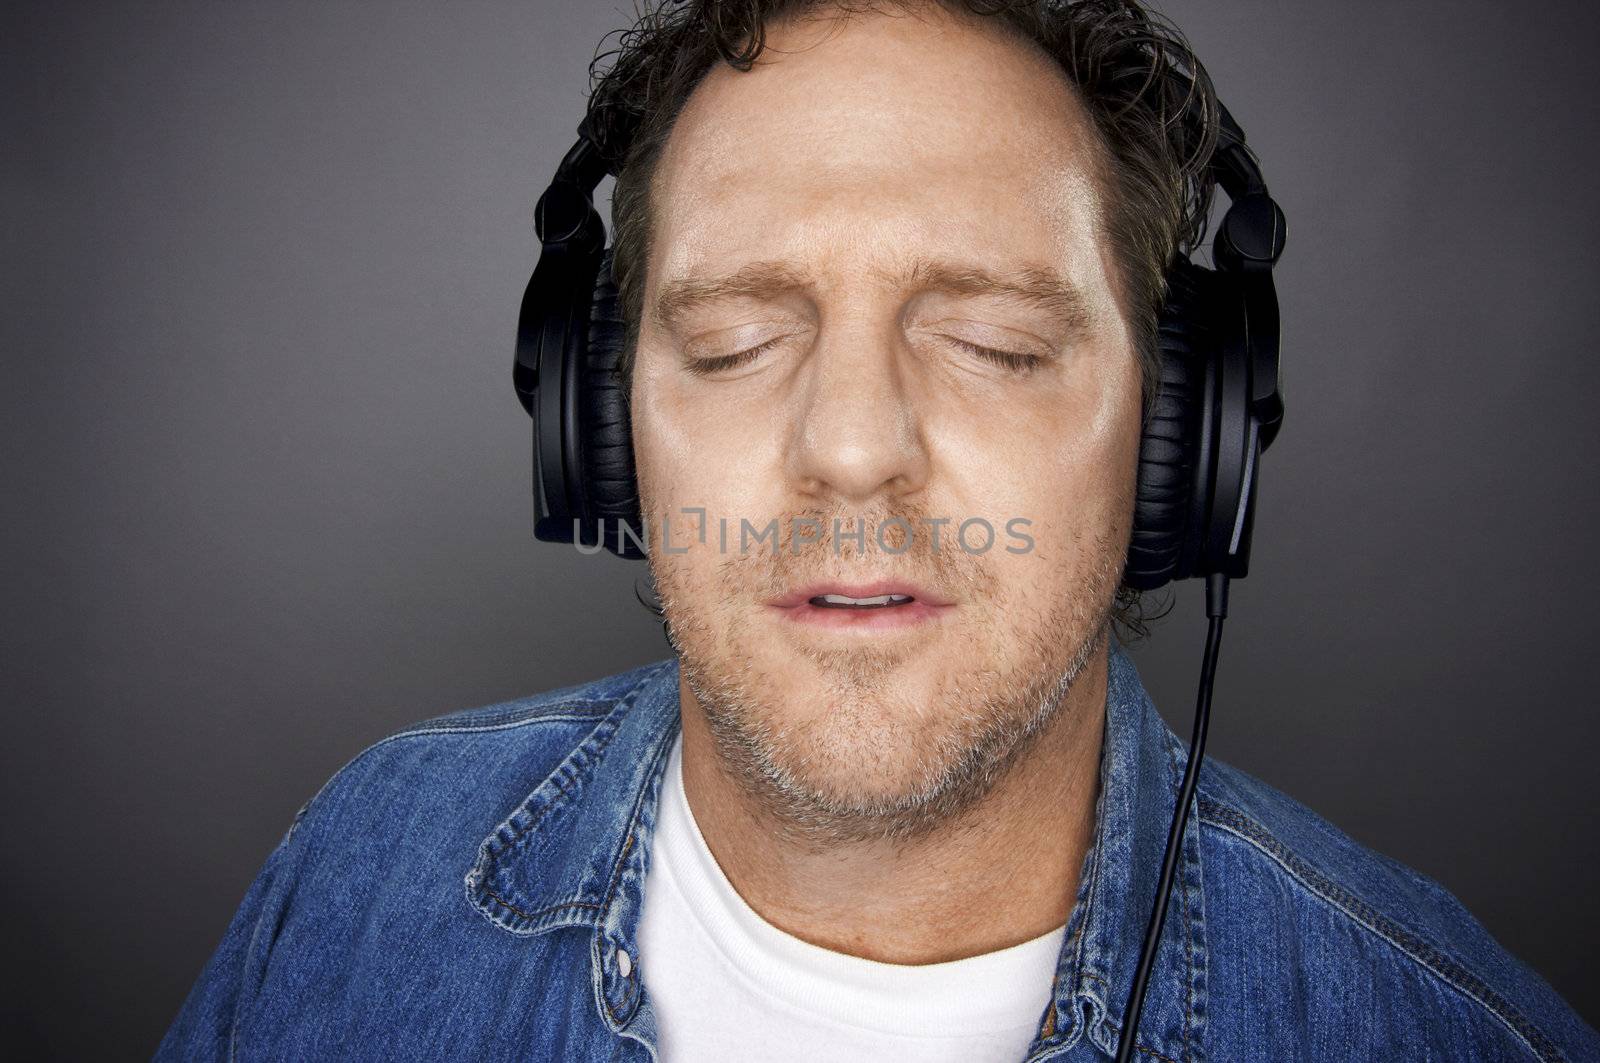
x,y
881,618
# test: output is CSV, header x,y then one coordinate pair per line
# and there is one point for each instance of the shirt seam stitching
x,y
544,714
1178,761
492,853
662,751
530,916
534,714
591,758
1255,835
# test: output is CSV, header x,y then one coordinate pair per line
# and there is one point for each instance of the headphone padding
x,y
1169,446
607,440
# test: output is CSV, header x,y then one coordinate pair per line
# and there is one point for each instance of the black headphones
x,y
1217,404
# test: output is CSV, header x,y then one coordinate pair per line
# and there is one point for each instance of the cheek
x,y
1064,458
660,448
688,455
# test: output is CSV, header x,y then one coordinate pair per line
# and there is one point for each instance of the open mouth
x,y
862,608
844,601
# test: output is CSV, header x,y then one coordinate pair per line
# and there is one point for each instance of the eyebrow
x,y
758,280
1035,286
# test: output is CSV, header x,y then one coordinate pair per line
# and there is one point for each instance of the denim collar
x,y
574,854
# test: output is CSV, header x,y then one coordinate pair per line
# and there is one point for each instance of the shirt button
x,y
624,962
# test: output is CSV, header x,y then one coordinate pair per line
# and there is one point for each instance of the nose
x,y
859,434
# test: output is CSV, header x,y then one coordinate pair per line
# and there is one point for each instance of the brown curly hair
x,y
1146,93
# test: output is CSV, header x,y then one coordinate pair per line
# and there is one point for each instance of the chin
x,y
863,760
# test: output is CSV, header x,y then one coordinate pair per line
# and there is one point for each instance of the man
x,y
891,272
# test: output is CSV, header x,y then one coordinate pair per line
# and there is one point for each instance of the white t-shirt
x,y
727,985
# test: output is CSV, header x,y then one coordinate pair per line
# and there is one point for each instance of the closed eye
x,y
722,363
1017,363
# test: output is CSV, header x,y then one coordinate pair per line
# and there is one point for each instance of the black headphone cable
x,y
1216,612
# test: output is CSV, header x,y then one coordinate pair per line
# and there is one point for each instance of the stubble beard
x,y
875,766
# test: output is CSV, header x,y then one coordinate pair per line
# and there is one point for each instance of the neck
x,y
1005,872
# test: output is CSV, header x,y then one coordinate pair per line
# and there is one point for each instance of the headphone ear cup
x,y
1170,503
606,434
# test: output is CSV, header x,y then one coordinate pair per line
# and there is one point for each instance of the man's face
x,y
840,236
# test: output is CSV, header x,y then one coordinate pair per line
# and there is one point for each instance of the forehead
x,y
911,132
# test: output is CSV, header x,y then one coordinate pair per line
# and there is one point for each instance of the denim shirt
x,y
469,887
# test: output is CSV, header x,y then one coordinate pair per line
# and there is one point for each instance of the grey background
x,y
266,483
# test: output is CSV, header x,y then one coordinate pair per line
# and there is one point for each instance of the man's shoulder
x,y
486,754
577,702
1289,872
519,719
365,924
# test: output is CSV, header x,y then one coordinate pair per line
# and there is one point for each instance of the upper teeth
x,y
881,599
